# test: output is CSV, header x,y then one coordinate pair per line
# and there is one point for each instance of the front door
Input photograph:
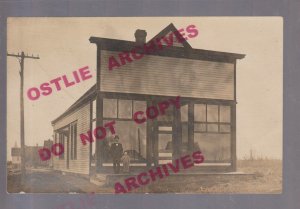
x,y
165,143
164,136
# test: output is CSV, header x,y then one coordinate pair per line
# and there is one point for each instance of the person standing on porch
x,y
126,162
116,151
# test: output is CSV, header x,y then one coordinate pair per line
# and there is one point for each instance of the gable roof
x,y
172,51
170,28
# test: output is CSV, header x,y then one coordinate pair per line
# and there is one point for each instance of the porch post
x,y
191,127
233,137
149,143
177,133
91,144
99,113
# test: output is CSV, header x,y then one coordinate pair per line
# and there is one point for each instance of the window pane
x,y
184,113
164,143
110,108
132,138
200,112
200,127
212,127
212,113
139,106
214,147
225,128
224,113
125,109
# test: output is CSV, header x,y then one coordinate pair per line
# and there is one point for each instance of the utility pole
x,y
21,57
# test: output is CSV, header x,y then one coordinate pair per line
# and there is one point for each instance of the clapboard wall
x,y
169,76
81,164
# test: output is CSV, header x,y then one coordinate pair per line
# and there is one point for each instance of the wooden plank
x,y
155,75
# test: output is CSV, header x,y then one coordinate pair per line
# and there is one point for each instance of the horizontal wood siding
x,y
81,165
157,75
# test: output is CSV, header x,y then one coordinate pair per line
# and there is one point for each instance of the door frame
x,y
156,143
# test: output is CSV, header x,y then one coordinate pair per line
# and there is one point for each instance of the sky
x,y
63,46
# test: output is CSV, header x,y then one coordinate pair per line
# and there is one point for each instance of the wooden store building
x,y
135,75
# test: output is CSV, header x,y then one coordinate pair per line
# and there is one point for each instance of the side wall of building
x,y
81,164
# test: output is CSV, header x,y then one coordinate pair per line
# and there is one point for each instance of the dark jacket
x,y
116,150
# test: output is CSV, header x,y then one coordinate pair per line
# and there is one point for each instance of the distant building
x,y
16,156
48,144
32,157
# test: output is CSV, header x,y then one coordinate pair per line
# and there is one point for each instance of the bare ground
x,y
267,179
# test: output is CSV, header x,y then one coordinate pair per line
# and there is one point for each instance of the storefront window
x,y
139,106
110,108
224,113
224,128
212,118
215,147
212,127
200,112
200,127
212,113
184,113
132,138
125,109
